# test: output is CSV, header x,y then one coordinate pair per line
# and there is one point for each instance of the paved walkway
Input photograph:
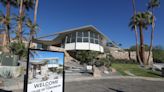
x,y
116,85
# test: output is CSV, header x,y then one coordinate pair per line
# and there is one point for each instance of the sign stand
x,y
45,71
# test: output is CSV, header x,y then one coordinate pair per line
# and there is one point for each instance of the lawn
x,y
136,70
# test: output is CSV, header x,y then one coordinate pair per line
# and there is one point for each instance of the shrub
x,y
59,71
86,57
6,73
99,63
158,55
105,61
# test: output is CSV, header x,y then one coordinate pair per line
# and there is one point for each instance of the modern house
x,y
82,38
50,62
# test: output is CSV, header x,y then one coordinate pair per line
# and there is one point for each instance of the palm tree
x,y
151,6
36,10
140,20
33,27
6,19
134,27
24,5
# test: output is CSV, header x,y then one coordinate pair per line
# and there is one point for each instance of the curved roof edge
x,y
79,28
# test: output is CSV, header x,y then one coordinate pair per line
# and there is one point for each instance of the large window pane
x,y
74,34
91,40
96,41
96,36
73,40
79,39
85,39
79,34
86,34
68,39
91,34
73,37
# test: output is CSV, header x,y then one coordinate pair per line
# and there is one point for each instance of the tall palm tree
x,y
7,18
134,27
151,6
24,5
140,20
33,27
36,10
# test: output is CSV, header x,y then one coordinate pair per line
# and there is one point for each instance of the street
x,y
115,85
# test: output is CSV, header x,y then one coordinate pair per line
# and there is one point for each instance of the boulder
x,y
96,72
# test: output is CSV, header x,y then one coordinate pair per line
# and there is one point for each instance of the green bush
x,y
105,61
59,71
158,55
99,63
86,57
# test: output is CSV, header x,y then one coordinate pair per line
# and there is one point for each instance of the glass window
x,y
91,34
79,39
96,41
96,36
68,39
74,34
79,34
86,34
91,40
73,37
85,39
73,40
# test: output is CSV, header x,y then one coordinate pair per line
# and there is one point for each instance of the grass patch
x,y
136,70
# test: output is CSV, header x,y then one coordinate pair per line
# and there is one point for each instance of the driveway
x,y
115,85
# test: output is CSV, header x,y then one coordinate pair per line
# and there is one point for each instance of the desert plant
x,y
59,71
18,48
6,73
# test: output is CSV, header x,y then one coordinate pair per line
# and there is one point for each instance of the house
x,y
82,38
50,62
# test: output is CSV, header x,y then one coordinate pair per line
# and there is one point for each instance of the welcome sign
x,y
45,71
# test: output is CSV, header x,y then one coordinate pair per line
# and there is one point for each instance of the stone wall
x,y
129,55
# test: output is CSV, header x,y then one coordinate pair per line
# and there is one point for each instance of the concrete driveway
x,y
115,85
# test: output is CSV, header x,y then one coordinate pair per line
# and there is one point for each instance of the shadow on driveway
x,y
116,90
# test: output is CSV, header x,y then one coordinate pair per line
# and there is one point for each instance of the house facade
x,y
82,38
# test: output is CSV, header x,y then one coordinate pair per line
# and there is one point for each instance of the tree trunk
x,y
152,37
35,12
8,25
20,21
142,47
136,37
35,17
137,48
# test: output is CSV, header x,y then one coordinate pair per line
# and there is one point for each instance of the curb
x,y
114,77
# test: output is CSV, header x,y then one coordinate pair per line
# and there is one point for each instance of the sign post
x,y
45,71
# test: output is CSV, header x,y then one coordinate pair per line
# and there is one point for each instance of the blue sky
x,y
109,16
48,54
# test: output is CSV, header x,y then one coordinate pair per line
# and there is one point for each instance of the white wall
x,y
101,49
70,46
84,46
95,47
